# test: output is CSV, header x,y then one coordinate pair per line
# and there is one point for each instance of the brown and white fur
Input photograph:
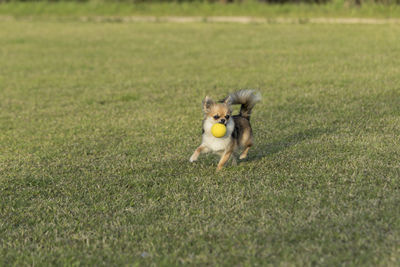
x,y
238,129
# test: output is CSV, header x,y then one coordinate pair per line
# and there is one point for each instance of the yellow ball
x,y
218,130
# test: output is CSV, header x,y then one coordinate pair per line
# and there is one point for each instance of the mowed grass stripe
x,y
98,122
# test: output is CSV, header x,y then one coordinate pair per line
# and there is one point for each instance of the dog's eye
x,y
227,117
216,117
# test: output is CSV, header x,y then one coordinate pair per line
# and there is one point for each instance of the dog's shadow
x,y
263,150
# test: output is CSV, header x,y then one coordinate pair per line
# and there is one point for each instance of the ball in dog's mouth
x,y
218,130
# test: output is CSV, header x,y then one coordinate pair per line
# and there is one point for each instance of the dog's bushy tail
x,y
247,99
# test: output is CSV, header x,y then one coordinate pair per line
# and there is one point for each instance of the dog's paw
x,y
193,158
243,156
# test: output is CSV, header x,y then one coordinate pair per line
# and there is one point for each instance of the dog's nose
x,y
223,120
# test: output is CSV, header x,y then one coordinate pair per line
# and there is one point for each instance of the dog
x,y
238,129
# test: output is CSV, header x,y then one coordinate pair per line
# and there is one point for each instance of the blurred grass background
x,y
335,8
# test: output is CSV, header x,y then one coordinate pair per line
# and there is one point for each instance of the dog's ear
x,y
227,100
207,103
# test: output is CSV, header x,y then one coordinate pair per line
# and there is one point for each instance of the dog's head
x,y
217,112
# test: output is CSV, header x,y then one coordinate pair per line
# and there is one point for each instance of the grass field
x,y
67,9
98,121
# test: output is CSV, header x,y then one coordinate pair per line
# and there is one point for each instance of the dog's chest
x,y
216,144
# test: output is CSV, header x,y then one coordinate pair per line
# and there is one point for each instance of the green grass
x,y
98,121
337,8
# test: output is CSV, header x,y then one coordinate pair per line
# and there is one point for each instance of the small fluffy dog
x,y
238,128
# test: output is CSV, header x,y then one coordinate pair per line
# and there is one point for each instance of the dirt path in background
x,y
244,20
217,19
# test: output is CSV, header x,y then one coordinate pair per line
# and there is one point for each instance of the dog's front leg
x,y
197,152
225,157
